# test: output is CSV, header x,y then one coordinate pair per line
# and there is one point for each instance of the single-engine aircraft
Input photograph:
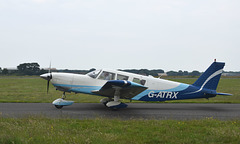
x,y
115,85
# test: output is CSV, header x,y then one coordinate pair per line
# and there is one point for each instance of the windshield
x,y
94,74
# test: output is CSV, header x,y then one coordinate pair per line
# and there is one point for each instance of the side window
x,y
122,77
107,76
137,80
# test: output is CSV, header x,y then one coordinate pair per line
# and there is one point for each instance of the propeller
x,y
48,81
49,77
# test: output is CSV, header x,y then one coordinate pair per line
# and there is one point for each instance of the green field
x,y
39,129
101,131
33,89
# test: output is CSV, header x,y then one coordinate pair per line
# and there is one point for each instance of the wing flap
x,y
127,89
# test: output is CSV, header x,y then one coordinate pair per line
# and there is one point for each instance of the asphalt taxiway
x,y
178,111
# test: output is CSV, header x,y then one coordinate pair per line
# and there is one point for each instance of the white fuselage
x,y
79,83
118,84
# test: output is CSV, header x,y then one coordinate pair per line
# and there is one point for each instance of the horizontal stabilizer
x,y
225,94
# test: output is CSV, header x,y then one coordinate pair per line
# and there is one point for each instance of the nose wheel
x,y
60,102
58,106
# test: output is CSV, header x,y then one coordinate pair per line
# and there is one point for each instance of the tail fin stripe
x,y
207,80
211,76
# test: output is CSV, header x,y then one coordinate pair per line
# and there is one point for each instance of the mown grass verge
x,y
102,131
33,89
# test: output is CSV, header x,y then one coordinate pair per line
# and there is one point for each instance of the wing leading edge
x,y
127,89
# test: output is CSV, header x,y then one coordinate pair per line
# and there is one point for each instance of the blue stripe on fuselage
x,y
145,93
191,92
79,88
183,91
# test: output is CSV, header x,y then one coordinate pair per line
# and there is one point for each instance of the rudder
x,y
210,78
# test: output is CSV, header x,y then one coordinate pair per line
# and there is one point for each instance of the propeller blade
x,y
49,70
49,77
48,86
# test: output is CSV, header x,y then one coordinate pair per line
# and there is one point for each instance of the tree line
x,y
34,69
24,69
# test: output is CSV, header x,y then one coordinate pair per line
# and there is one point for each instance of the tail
x,y
210,78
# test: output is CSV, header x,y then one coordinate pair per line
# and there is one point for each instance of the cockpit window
x,y
107,76
94,74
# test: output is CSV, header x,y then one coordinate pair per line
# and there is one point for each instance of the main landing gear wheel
x,y
116,104
104,101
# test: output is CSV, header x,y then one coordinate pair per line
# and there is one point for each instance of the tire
x,y
58,106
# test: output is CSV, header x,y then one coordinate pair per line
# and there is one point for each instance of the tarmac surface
x,y
176,111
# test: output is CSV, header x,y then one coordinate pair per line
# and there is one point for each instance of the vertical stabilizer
x,y
210,78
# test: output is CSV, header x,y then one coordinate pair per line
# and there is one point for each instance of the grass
x,y
102,131
33,89
40,129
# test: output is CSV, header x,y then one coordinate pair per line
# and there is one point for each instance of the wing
x,y
127,89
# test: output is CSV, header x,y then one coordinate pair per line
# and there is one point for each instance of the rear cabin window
x,y
107,76
122,77
137,80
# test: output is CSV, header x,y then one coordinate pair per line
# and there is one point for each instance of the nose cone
x,y
46,76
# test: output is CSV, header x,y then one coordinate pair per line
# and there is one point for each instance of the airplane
x,y
114,85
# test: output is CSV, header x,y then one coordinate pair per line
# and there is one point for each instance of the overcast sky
x,y
152,34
